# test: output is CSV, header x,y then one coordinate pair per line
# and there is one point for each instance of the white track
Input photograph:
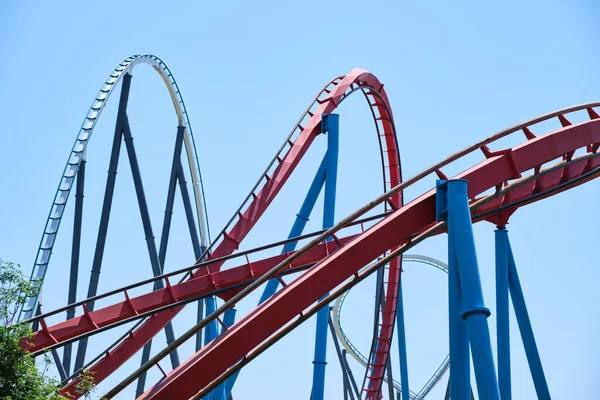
x,y
78,152
358,356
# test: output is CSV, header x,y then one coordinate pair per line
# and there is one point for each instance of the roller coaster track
x,y
269,185
358,356
77,154
496,189
501,172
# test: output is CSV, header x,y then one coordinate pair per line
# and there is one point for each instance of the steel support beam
x,y
390,381
502,314
531,350
402,344
346,379
452,205
198,249
73,276
330,125
350,375
164,239
147,224
297,229
105,213
57,361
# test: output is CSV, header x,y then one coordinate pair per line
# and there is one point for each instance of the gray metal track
x,y
67,179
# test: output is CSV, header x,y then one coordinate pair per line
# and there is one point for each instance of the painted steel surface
x,y
343,265
502,169
61,197
265,191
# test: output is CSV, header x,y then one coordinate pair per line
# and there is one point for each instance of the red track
x,y
245,221
245,337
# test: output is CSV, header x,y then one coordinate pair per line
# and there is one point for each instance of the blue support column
x,y
211,329
299,223
297,228
453,206
502,315
531,350
210,333
330,124
302,218
402,345
460,356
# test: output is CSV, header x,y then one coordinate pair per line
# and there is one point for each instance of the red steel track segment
x,y
192,288
357,78
238,341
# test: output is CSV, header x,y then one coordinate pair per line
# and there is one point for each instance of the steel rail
x,y
437,228
316,100
337,308
540,117
193,267
434,229
504,159
61,197
305,315
356,78
353,350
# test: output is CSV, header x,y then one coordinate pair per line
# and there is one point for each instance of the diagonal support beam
x,y
145,214
166,228
531,350
106,207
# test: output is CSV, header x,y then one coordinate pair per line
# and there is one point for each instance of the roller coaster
x,y
313,272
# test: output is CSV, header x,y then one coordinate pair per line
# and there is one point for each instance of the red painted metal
x,y
244,336
357,78
197,286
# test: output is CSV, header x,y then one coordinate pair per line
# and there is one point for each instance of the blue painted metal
x,y
211,329
330,125
105,213
454,207
402,344
460,365
164,240
198,249
211,332
302,218
502,316
531,350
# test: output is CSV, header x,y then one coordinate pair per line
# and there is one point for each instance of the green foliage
x,y
20,379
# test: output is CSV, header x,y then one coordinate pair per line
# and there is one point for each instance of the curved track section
x,y
358,356
263,193
67,179
496,189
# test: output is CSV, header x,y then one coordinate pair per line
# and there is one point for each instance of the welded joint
x,y
441,200
476,310
325,123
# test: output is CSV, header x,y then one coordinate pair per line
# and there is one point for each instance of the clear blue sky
x,y
455,72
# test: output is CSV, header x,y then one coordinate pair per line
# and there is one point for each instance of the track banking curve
x,y
263,193
77,154
496,189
